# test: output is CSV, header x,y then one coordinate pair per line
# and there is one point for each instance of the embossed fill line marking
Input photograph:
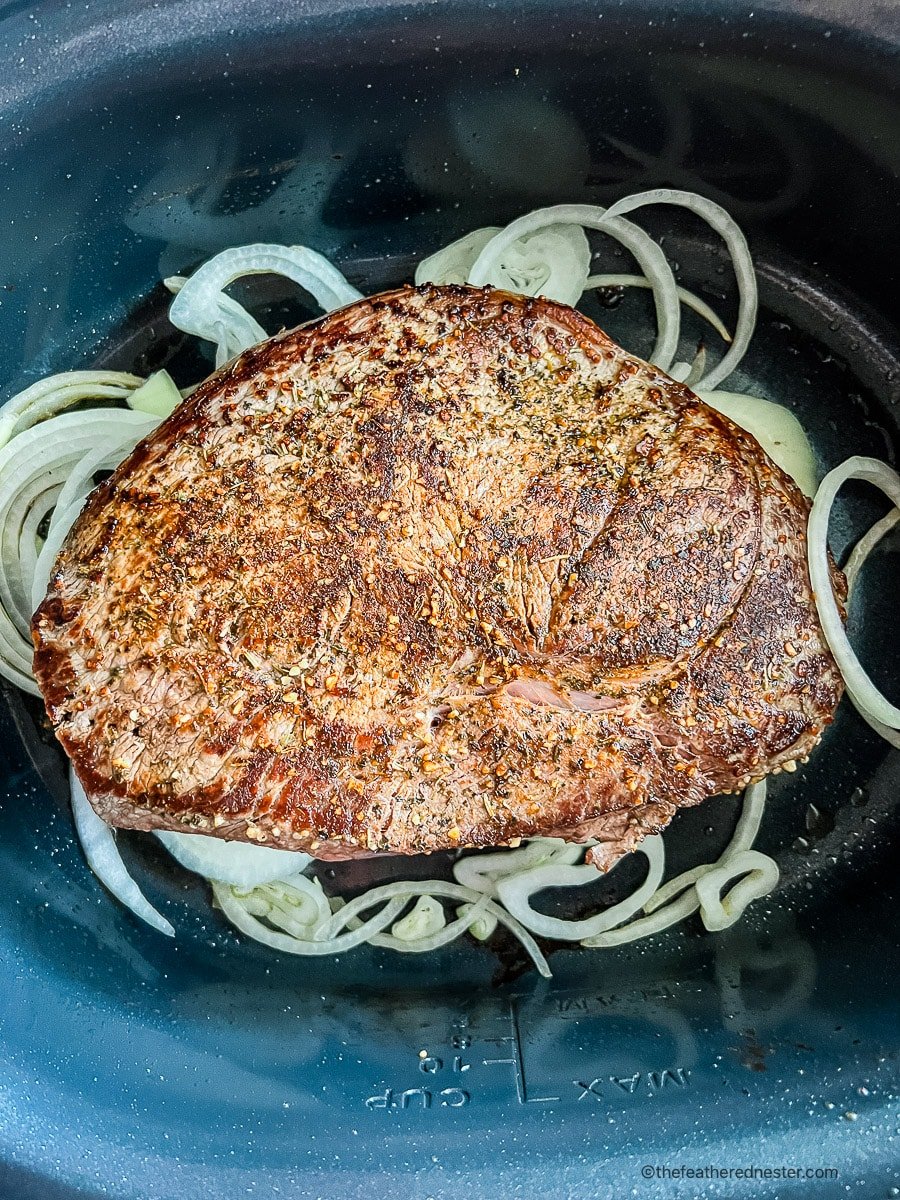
x,y
516,1061
655,1082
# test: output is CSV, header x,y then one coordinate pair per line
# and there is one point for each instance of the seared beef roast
x,y
446,568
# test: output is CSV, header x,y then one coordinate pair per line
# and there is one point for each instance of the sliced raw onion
x,y
63,520
590,216
30,541
757,875
328,938
858,557
31,498
426,944
424,919
653,262
292,903
654,922
425,927
297,905
33,464
662,910
40,457
15,665
775,428
157,395
232,325
482,926
235,863
481,872
866,545
103,857
688,299
515,892
452,263
698,366
741,260
59,392
237,910
201,308
552,262
108,454
434,887
742,839
889,735
862,691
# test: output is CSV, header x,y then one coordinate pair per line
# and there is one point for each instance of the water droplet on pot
x,y
818,823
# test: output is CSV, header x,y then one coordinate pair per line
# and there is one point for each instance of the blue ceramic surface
x,y
136,140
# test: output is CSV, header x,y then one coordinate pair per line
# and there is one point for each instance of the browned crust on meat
x,y
446,568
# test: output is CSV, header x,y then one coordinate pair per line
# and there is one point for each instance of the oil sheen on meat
x,y
447,568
